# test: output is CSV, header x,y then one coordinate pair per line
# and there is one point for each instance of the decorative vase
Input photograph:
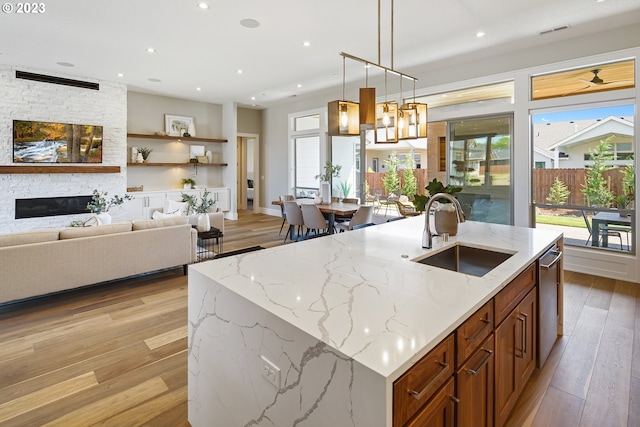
x,y
103,218
445,219
203,224
325,191
209,155
139,158
134,154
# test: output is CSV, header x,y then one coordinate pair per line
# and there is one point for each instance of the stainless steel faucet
x,y
427,241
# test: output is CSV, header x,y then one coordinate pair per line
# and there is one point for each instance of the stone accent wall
x,y
29,100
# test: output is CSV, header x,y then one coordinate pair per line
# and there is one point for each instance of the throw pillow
x,y
160,215
176,208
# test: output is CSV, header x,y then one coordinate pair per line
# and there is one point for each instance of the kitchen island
x,y
315,333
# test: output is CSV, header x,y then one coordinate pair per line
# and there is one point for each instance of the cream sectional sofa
x,y
42,262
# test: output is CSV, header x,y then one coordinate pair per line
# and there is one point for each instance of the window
x,y
307,166
587,194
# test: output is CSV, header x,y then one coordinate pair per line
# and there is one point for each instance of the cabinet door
x,y
440,411
515,355
223,197
475,387
527,311
508,341
136,207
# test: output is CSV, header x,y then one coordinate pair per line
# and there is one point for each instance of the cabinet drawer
x,y
508,298
440,412
416,386
473,332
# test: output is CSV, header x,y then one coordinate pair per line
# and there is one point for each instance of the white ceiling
x,y
205,48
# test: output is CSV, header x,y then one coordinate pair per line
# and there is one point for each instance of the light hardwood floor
x,y
115,354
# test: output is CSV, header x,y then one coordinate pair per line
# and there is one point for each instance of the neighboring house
x,y
573,150
545,159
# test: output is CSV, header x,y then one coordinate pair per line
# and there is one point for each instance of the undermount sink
x,y
466,259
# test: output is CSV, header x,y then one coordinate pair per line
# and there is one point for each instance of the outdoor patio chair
x,y
608,230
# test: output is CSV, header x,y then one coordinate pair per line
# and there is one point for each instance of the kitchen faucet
x,y
427,242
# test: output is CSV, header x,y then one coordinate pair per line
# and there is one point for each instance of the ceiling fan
x,y
597,81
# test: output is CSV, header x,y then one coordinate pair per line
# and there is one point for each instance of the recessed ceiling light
x,y
155,80
253,98
306,44
299,85
249,23
480,34
151,50
120,75
198,88
65,64
203,5
239,71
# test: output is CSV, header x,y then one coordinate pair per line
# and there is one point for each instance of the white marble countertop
x,y
360,292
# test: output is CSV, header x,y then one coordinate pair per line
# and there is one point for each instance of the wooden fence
x,y
374,179
574,179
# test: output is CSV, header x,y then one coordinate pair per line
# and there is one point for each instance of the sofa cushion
x,y
26,237
175,207
158,223
75,232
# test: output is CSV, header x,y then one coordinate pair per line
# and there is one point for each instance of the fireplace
x,y
51,206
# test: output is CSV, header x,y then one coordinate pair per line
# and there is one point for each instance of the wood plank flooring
x,y
115,354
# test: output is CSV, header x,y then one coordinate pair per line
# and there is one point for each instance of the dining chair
x,y
313,219
286,197
405,210
353,200
363,215
294,218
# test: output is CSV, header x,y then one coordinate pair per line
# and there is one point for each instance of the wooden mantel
x,y
19,169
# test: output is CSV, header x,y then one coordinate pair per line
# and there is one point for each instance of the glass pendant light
x,y
420,127
386,119
343,116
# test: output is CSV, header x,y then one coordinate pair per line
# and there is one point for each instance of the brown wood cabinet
x,y
475,387
515,355
416,387
440,411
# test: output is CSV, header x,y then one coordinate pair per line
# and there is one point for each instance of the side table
x,y
207,241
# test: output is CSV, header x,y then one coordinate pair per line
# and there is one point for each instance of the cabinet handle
x,y
523,338
479,334
456,402
475,372
420,395
524,332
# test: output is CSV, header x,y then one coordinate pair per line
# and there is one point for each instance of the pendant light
x,y
343,116
421,115
386,119
407,117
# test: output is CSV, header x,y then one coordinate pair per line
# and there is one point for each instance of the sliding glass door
x,y
480,163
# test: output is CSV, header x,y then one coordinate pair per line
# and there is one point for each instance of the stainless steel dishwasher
x,y
548,309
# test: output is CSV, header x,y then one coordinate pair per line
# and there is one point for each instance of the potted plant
x,y
200,208
445,217
188,183
100,205
330,170
145,151
345,189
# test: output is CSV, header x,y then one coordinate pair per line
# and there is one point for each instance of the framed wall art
x,y
179,125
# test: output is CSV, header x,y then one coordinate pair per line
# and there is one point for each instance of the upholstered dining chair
x,y
363,215
294,218
286,197
314,220
355,200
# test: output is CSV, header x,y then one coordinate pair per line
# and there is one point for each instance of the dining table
x,y
329,210
604,219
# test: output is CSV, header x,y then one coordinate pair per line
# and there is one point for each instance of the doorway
x,y
248,173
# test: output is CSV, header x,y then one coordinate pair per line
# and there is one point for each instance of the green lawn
x,y
567,221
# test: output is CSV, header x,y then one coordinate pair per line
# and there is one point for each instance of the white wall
x,y
36,101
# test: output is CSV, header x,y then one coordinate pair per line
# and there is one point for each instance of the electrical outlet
x,y
270,371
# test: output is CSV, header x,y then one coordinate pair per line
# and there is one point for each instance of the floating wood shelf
x,y
18,169
177,164
175,138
